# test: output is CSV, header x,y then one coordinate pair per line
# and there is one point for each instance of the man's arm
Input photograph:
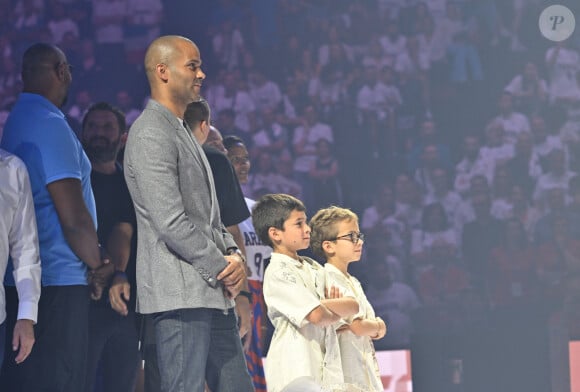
x,y
79,230
119,248
24,251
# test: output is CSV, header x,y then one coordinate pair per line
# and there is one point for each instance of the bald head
x,y
45,71
38,60
173,67
163,50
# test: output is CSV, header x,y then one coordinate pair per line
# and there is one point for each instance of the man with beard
x,y
113,339
37,132
188,266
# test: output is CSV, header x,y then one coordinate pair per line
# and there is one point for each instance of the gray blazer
x,y
181,240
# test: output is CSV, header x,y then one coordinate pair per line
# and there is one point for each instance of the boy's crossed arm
x,y
333,308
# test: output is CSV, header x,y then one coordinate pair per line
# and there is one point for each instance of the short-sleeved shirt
x,y
114,206
292,289
38,133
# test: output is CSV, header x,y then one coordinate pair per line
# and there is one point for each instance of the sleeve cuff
x,y
27,311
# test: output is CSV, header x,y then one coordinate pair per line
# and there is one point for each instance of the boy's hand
x,y
333,292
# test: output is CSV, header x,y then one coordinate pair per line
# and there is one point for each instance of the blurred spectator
x,y
479,238
430,159
428,135
472,164
393,301
442,193
380,218
393,42
324,175
562,63
233,96
271,137
142,26
497,149
435,231
518,206
512,122
228,45
528,89
440,288
125,102
544,141
409,206
294,100
512,278
108,18
525,167
265,92
554,206
59,23
556,175
334,43
304,144
82,101
558,258
464,59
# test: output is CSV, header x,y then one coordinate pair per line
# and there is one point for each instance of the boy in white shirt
x,y
303,314
336,237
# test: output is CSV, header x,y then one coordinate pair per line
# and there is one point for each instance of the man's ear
x,y
162,71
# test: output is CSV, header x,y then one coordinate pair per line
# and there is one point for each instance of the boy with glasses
x,y
336,238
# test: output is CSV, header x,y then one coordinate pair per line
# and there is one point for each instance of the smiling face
x,y
185,76
101,136
240,159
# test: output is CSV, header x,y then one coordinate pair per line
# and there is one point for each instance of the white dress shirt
x,y
18,236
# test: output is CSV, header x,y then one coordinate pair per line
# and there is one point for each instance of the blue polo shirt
x,y
38,133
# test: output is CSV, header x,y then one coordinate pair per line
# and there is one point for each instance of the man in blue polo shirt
x,y
72,270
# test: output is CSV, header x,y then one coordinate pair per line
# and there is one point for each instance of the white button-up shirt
x,y
18,236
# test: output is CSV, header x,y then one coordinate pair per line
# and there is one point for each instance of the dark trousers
x,y
57,362
198,345
113,354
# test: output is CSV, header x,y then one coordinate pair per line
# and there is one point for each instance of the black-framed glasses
x,y
353,237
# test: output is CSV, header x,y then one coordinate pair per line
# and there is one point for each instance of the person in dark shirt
x,y
113,336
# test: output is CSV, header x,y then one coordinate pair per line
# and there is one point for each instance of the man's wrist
x,y
236,251
120,273
246,294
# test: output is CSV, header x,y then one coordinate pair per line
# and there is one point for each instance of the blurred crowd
x,y
451,126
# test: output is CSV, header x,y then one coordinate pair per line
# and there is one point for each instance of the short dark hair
x,y
196,112
231,141
107,107
272,210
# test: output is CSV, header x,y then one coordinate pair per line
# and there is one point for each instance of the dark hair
x,y
272,210
196,112
426,217
231,141
107,107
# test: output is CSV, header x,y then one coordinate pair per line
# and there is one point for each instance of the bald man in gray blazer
x,y
188,270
